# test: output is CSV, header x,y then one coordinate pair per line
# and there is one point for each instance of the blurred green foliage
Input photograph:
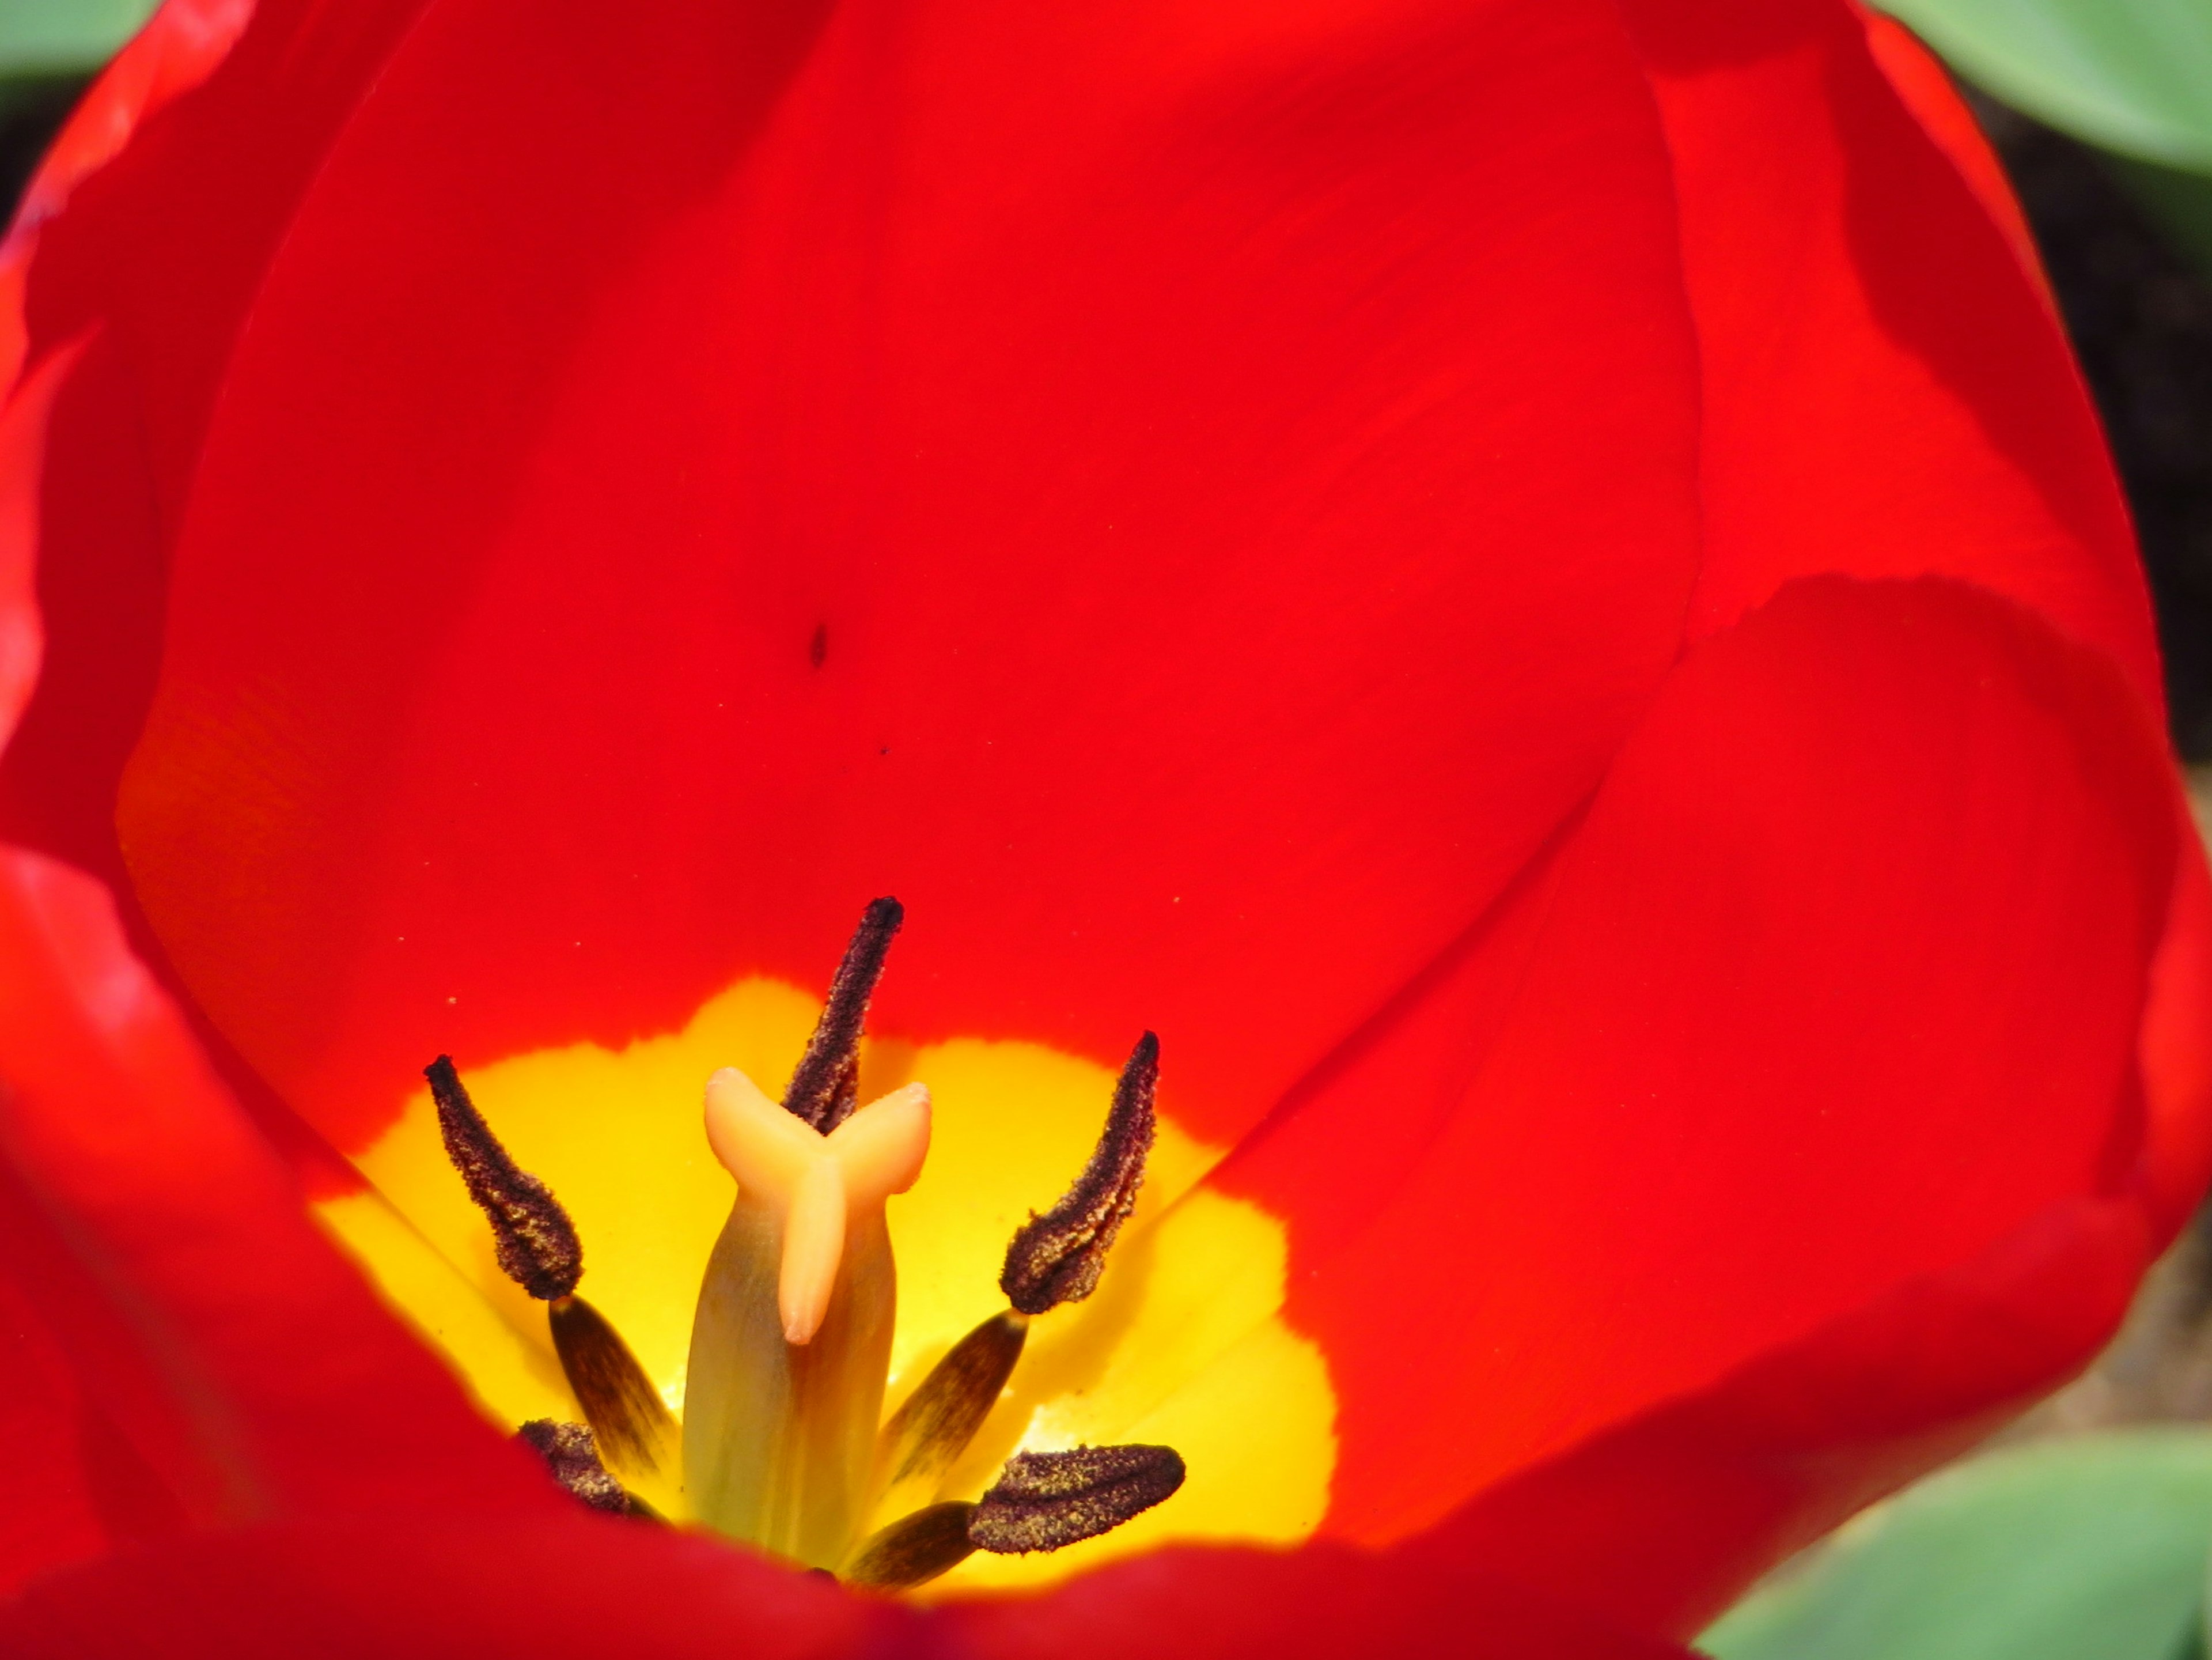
x,y
2133,77
2130,76
42,39
2089,1547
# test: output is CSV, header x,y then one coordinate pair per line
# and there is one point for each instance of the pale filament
x,y
815,1182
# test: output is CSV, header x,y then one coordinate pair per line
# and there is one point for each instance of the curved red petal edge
x,y
1845,438
572,1588
1928,91
141,245
169,1253
1886,391
1320,1601
179,47
563,1586
23,431
1839,981
1030,752
1797,1439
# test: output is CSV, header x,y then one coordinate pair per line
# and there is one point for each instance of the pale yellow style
x,y
1182,1344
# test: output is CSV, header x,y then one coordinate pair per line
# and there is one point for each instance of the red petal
x,y
1322,1603
1167,397
570,1588
52,1519
1659,1522
1928,92
180,47
248,1366
1837,986
1187,388
151,222
2177,1049
565,1586
1886,393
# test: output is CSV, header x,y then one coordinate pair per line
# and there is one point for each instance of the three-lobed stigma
x,y
815,1183
783,1442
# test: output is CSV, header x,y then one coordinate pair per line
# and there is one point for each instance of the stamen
x,y
625,1408
792,1331
927,1434
1049,1500
534,1240
537,1247
825,1085
1043,1501
574,1457
914,1549
1057,1257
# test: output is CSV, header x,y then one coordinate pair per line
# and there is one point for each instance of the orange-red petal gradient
x,y
1159,439
1529,581
205,186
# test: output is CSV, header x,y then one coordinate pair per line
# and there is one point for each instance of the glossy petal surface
x,y
583,1586
1885,394
1681,1144
1535,591
1114,782
244,1360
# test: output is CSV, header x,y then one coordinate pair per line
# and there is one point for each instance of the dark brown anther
x,y
625,1410
914,1549
1049,1500
941,1417
1057,1257
825,1085
571,1455
537,1247
534,1240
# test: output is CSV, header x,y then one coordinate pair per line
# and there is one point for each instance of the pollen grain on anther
x,y
1046,1501
571,1455
537,1247
825,1085
1057,1257
534,1241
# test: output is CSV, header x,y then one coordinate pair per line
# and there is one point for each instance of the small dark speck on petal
x,y
818,646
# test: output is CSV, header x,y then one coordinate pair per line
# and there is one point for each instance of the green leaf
x,y
2088,1549
64,37
2132,75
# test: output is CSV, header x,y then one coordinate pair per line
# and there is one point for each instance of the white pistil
x,y
816,1184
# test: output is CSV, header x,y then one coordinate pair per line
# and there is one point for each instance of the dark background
x,y
2139,313
30,110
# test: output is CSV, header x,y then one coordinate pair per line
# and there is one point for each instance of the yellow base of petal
x,y
1182,1344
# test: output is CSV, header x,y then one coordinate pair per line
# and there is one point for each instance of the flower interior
x,y
1079,1341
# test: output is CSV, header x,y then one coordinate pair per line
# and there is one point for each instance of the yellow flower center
x,y
1183,1343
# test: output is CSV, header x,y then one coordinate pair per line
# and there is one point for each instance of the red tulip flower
x,y
1527,583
